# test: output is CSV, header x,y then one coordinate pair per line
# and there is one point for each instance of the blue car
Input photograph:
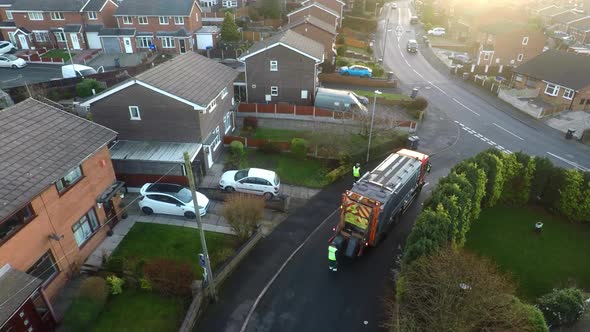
x,y
355,70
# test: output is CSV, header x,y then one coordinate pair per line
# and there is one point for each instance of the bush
x,y
115,284
562,306
341,50
243,212
223,254
418,104
299,147
251,123
270,147
337,173
340,62
84,88
169,277
340,39
359,24
116,264
145,284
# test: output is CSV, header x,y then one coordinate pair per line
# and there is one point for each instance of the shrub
x,y
223,254
84,88
337,173
340,62
270,147
562,306
145,284
115,284
359,23
299,147
340,39
251,122
243,212
493,167
116,264
169,277
341,50
418,104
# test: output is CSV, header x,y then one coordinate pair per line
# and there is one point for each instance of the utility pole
x,y
377,92
191,183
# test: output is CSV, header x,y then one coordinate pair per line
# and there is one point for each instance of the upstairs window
x,y
57,16
212,105
85,227
274,65
92,15
127,20
551,89
223,93
9,15
69,180
568,94
520,57
35,16
134,113
12,224
178,20
525,40
60,37
164,20
45,268
143,20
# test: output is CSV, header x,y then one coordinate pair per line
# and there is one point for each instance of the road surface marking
x,y
467,108
569,162
508,131
425,184
265,289
508,151
458,122
478,135
417,73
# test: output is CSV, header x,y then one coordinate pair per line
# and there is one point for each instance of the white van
x,y
69,71
338,100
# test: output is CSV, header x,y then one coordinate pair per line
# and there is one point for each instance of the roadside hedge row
x,y
489,178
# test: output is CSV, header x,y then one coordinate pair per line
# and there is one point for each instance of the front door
x,y
109,210
75,41
127,43
24,44
209,153
182,46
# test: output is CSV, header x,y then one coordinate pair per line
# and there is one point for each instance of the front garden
x,y
57,53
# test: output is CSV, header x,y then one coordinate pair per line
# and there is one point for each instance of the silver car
x,y
10,61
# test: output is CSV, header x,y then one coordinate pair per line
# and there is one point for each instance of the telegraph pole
x,y
191,181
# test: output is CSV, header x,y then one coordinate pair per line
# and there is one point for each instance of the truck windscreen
x,y
357,215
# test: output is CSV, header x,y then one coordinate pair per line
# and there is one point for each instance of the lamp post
x,y
67,47
377,92
386,31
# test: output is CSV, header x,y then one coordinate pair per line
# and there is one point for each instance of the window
x,y
35,16
92,15
142,20
57,16
144,42
551,89
486,56
164,20
274,65
197,17
85,227
60,37
16,221
134,113
45,268
303,94
212,105
9,15
274,91
227,122
230,3
178,20
41,36
216,139
69,180
224,93
168,42
518,78
127,20
525,40
582,101
568,94
520,57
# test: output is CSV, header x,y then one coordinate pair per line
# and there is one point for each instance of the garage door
x,y
111,45
93,40
204,41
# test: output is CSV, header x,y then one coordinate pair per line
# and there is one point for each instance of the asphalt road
x,y
32,73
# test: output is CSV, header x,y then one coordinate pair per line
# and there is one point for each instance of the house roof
x,y
318,5
207,29
153,151
567,17
69,28
116,32
291,40
16,288
53,5
178,33
39,144
566,69
582,25
155,7
7,24
94,5
502,26
308,1
313,21
552,11
94,27
6,2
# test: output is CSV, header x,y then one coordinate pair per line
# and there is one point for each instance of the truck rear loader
x,y
378,199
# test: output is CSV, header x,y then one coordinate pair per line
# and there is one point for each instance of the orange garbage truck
x,y
378,199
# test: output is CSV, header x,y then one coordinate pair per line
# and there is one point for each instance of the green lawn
x,y
136,310
57,53
308,172
388,96
357,50
556,257
181,244
273,134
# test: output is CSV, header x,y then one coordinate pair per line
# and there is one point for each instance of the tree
x,y
493,167
478,178
271,9
229,29
243,212
429,234
562,306
571,194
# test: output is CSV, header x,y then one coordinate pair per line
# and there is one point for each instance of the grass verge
x,y
57,53
387,96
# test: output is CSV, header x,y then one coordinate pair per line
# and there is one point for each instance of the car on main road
x,y
7,47
394,5
414,20
255,181
356,70
10,61
169,198
437,32
412,46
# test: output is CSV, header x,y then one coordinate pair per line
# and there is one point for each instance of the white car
x,y
6,47
252,181
10,61
168,198
394,5
437,32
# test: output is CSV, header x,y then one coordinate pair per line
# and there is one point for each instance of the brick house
x,y
562,21
336,5
465,20
169,26
561,79
508,43
580,29
7,21
184,104
283,68
317,30
57,202
317,10
51,24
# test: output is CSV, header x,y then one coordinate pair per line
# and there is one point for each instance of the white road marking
x,y
467,108
425,184
491,143
417,73
569,162
478,135
457,121
508,131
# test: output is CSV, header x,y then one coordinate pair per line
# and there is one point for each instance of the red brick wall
x,y
316,12
190,23
106,15
508,46
334,5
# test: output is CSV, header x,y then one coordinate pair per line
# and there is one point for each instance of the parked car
x,y
169,198
460,59
255,181
364,100
414,20
394,6
75,70
10,61
6,47
356,70
340,100
412,46
437,32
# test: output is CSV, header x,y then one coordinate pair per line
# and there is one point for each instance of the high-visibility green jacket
x,y
332,253
356,171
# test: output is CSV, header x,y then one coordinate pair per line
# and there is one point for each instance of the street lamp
x,y
386,31
67,47
377,92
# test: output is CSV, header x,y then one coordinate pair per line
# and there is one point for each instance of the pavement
x,y
107,61
578,120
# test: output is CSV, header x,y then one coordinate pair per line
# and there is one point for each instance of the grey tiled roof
x,y
7,2
208,29
313,21
39,144
179,33
94,5
569,70
7,24
116,32
319,5
53,5
16,288
69,28
190,76
155,7
94,27
291,39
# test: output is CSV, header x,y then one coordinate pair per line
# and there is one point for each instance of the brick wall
x,y
508,46
321,36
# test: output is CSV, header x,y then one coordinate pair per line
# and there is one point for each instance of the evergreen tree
x,y
229,29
